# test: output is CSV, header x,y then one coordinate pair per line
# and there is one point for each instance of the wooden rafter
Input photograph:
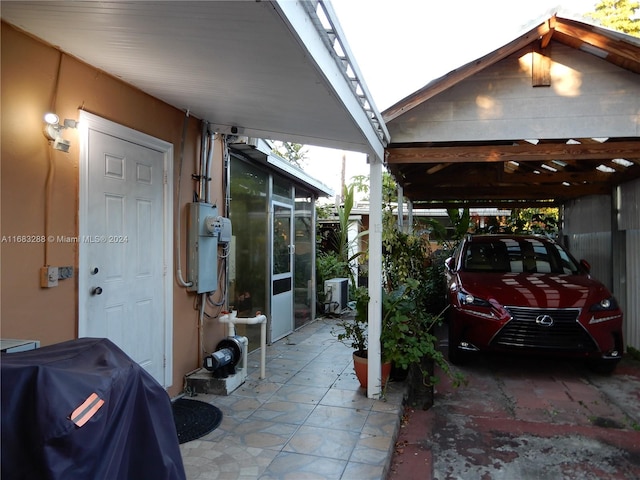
x,y
546,38
513,192
607,45
519,153
437,168
511,173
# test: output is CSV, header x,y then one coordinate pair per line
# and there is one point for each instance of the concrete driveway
x,y
526,418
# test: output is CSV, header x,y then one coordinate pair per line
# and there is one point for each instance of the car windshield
x,y
525,255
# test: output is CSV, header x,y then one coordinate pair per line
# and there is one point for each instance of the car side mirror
x,y
584,264
449,264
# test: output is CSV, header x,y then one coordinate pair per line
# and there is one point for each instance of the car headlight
x,y
475,306
604,305
467,299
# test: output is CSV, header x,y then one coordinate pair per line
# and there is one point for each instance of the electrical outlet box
x,y
225,230
48,277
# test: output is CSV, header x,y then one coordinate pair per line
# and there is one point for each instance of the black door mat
x,y
194,419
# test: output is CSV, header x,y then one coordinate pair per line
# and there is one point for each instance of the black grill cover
x,y
132,436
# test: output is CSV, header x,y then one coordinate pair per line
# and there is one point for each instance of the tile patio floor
x,y
308,419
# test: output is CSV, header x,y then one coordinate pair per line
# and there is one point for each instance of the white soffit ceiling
x,y
258,66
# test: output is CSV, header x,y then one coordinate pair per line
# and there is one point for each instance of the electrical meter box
x,y
206,230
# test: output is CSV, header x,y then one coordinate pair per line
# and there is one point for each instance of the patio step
x,y
203,381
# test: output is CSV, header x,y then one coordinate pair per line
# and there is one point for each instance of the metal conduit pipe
x,y
203,160
207,171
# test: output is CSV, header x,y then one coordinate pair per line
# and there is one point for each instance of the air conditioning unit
x,y
336,295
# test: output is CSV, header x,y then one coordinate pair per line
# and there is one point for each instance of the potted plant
x,y
353,332
407,337
412,306
407,341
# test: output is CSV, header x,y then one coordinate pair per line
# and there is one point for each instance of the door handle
x,y
96,291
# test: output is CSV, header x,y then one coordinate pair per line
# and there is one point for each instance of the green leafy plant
x,y
335,260
412,298
543,221
406,336
353,331
460,220
633,352
621,15
294,153
413,301
408,333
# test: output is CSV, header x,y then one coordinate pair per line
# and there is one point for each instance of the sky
x,y
401,45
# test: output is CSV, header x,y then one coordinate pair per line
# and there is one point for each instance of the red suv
x,y
527,294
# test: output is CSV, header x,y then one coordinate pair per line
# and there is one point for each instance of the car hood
x,y
533,289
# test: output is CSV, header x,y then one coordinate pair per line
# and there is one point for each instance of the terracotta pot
x,y
361,365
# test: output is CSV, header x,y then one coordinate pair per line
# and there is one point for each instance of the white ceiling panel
x,y
238,63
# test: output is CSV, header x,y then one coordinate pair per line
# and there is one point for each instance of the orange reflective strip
x,y
84,412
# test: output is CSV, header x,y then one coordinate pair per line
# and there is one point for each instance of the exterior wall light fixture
x,y
53,130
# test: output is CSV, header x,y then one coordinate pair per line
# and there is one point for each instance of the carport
x,y
551,119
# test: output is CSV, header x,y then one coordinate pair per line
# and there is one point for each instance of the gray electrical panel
x,y
206,230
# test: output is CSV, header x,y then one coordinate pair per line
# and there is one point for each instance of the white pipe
x,y
400,208
232,318
263,348
201,329
245,342
177,231
410,216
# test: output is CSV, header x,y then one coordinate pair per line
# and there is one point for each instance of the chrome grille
x,y
566,333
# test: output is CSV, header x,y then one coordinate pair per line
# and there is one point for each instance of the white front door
x,y
281,270
124,268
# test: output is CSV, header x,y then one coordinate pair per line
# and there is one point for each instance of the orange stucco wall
x,y
40,188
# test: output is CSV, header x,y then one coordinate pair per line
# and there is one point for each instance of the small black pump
x,y
222,362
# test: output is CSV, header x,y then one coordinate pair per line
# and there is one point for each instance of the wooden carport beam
x,y
607,45
519,153
520,192
493,203
546,38
498,178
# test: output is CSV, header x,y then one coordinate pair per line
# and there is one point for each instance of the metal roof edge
x,y
260,150
320,43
